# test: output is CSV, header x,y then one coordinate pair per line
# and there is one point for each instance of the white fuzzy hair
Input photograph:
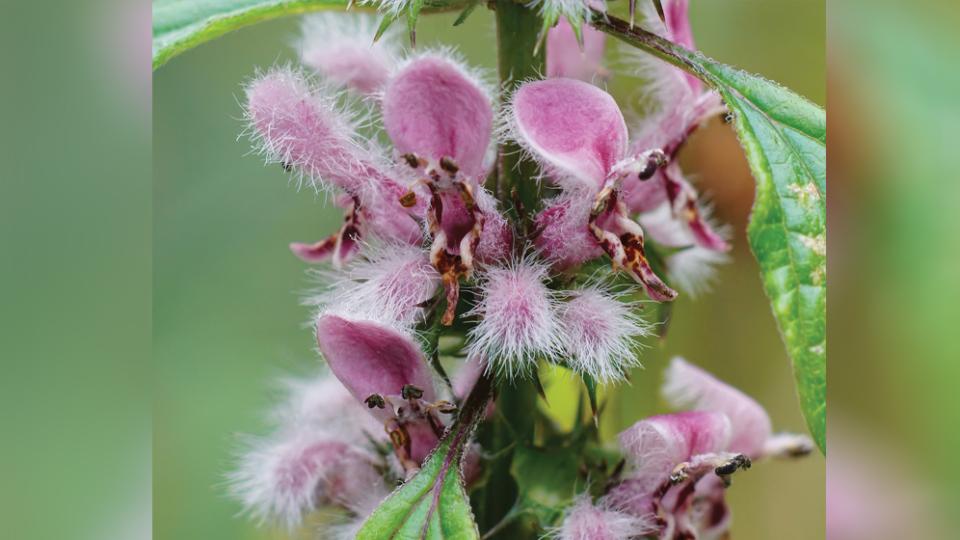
x,y
607,349
617,524
322,402
346,123
511,337
258,481
372,286
323,27
323,35
392,7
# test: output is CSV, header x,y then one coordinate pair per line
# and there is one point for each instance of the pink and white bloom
x,y
691,267
518,321
600,333
566,58
587,521
340,47
365,331
301,127
320,454
577,133
682,104
679,464
440,119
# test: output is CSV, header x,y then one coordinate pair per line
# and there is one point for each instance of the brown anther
x,y
410,391
408,199
412,160
466,194
448,165
375,400
445,407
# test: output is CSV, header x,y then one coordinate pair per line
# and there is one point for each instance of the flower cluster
x,y
679,465
427,248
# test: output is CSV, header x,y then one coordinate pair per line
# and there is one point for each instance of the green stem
x,y
517,29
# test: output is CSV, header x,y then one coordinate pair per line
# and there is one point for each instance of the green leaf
x,y
784,137
433,505
547,480
180,25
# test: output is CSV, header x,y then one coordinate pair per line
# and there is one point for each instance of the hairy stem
x,y
517,28
648,41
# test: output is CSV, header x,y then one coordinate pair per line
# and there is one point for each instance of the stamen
x,y
375,400
626,248
410,391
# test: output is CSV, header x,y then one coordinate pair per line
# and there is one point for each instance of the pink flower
x,y
319,455
364,330
340,47
565,57
682,105
680,464
586,521
518,321
578,134
440,119
304,130
599,333
691,267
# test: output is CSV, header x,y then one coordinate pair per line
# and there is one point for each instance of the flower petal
x,y
573,128
372,358
304,130
340,46
688,386
565,238
432,108
656,445
566,59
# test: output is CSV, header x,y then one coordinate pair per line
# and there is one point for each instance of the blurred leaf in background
x,y
894,292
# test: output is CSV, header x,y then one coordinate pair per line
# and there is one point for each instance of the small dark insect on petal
x,y
657,159
375,400
739,461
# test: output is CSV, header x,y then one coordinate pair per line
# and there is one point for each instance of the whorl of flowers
x,y
426,248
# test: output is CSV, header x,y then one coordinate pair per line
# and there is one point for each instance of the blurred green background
x,y
226,316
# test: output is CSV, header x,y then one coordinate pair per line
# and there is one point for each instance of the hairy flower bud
x,y
599,333
517,318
